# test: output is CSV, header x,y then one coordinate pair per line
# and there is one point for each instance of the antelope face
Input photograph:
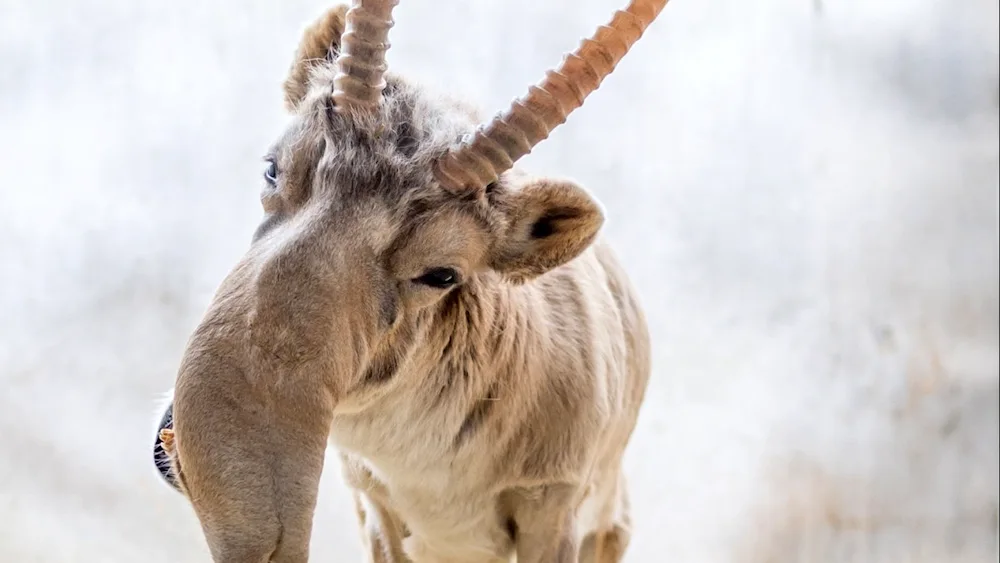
x,y
375,220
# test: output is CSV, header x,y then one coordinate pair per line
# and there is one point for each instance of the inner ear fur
x,y
550,222
320,42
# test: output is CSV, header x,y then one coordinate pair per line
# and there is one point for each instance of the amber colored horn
x,y
361,63
497,145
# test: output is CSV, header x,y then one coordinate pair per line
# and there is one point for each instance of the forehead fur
x,y
389,153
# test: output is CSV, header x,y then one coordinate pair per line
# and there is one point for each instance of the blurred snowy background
x,y
805,193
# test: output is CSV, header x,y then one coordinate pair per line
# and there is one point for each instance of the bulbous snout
x,y
244,435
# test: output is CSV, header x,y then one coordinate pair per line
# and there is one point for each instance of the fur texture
x,y
477,422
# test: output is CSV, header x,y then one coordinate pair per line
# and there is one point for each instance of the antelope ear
x,y
320,42
551,221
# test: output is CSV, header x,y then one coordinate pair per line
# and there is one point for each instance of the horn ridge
x,y
361,64
532,118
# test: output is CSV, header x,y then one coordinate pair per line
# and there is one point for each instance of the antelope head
x,y
381,205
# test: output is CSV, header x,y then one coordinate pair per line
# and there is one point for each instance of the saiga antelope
x,y
453,326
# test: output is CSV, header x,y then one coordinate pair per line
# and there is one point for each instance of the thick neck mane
x,y
493,362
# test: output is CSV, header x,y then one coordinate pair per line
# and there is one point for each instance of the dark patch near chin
x,y
388,307
381,370
477,415
160,457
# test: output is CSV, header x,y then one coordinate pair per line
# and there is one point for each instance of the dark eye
x,y
271,173
440,278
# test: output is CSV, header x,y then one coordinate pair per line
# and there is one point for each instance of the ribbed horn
x,y
361,63
497,145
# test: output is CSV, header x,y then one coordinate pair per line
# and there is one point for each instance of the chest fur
x,y
443,521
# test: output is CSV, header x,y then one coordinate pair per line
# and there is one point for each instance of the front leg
x,y
543,522
381,531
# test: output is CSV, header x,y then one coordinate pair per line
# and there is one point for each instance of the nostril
x,y
389,312
163,448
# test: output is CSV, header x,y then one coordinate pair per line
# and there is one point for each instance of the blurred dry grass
x,y
808,202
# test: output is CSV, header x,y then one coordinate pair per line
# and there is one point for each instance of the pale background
x,y
805,195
